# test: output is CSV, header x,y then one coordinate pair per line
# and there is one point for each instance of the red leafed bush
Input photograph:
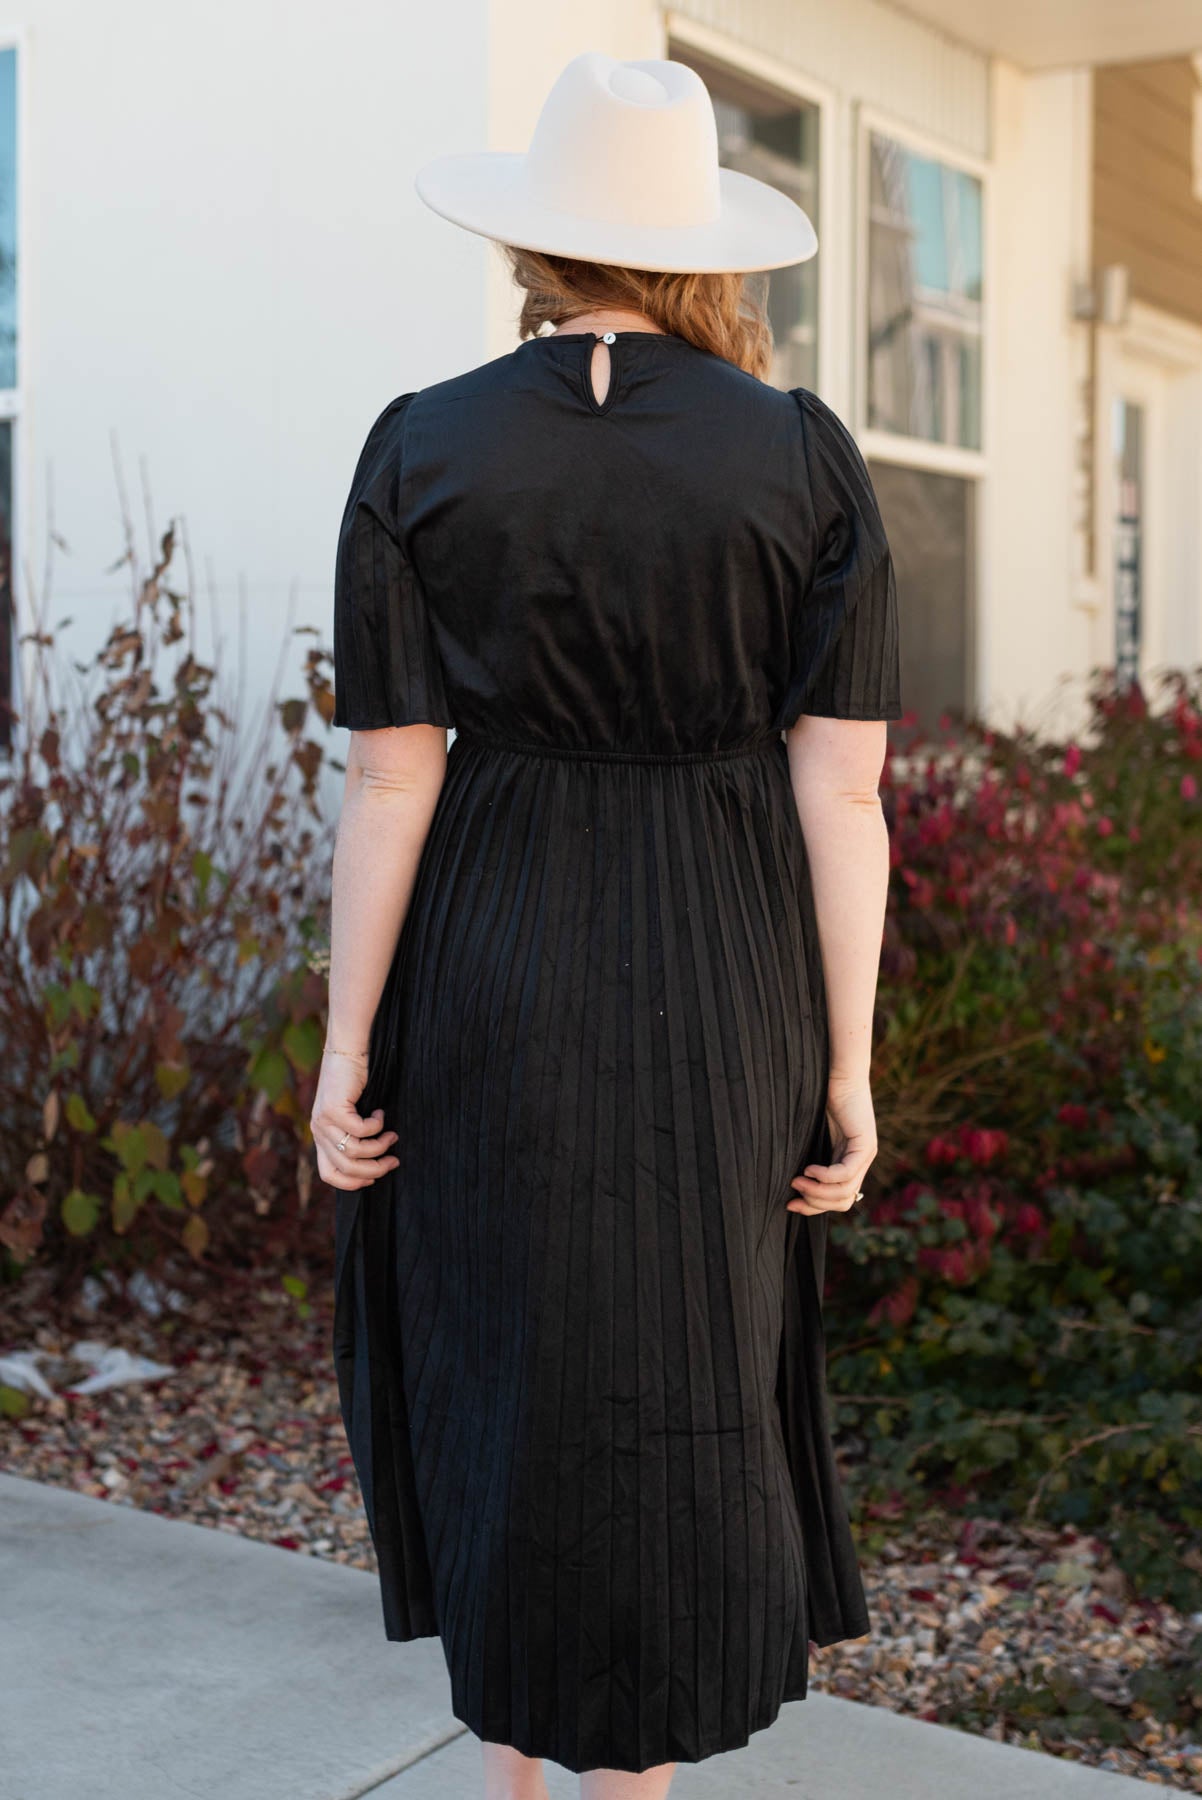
x,y
1015,1312
1021,867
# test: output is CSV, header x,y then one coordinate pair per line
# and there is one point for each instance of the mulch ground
x,y
1027,1635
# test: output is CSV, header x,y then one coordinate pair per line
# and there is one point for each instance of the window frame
x,y
13,406
900,447
754,66
877,445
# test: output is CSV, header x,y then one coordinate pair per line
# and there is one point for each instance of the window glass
x,y
6,588
774,136
1128,443
8,218
8,373
929,521
924,296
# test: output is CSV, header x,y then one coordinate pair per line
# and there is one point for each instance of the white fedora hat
x,y
623,168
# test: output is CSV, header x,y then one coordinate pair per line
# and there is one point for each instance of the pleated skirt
x,y
578,1337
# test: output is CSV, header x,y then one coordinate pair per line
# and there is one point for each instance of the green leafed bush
x,y
161,882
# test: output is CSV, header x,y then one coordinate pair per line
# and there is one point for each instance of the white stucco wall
x,y
228,270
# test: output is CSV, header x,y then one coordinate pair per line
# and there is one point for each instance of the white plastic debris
x,y
112,1367
152,1296
91,1293
19,1369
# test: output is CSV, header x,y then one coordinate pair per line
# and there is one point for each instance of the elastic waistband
x,y
590,753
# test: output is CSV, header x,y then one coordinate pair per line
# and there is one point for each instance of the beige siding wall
x,y
875,51
1145,211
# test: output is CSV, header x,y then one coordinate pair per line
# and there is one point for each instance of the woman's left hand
x,y
350,1148
835,1187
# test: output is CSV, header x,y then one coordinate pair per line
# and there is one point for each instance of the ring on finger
x,y
343,1140
858,1195
830,1205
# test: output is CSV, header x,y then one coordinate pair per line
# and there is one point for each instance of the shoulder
x,y
841,490
384,433
396,431
830,441
740,412
377,467
821,423
469,384
410,412
739,388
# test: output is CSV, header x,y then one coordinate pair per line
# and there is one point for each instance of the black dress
x,y
577,1334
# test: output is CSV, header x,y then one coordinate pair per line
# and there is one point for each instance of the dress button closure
x,y
608,337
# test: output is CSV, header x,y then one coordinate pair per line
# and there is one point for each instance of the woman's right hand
x,y
833,1187
335,1116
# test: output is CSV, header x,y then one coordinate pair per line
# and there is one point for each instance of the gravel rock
x,y
1024,1634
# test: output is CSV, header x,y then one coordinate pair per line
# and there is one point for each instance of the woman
x,y
602,977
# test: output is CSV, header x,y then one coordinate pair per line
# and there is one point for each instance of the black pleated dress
x,y
578,1336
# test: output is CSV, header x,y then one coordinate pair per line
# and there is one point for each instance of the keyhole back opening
x,y
600,372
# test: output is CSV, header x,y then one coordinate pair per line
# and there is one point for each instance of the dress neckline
x,y
575,337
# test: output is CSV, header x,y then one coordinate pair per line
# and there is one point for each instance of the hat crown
x,y
634,143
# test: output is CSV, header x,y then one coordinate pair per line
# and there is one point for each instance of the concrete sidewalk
x,y
142,1658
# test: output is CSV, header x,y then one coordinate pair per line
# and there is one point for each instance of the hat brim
x,y
758,227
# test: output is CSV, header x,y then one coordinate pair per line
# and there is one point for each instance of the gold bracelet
x,y
351,1055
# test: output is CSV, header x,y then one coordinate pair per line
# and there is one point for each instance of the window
x,y
924,296
921,335
7,611
9,376
773,135
1128,450
929,521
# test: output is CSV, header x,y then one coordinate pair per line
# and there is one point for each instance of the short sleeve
x,y
846,658
387,669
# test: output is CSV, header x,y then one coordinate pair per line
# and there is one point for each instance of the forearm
x,y
847,844
382,830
